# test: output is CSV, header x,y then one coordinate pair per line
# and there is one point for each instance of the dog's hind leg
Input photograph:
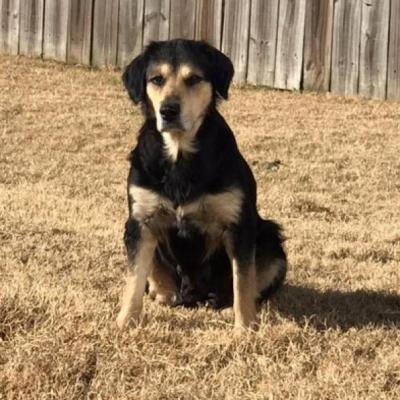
x,y
140,246
271,261
162,282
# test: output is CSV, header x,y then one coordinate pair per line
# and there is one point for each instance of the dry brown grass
x,y
331,333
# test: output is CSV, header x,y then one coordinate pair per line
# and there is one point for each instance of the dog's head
x,y
177,81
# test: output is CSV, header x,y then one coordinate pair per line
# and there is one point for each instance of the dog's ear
x,y
134,77
222,71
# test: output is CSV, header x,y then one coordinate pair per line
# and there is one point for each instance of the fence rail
x,y
350,47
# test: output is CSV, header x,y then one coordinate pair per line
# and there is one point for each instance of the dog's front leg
x,y
140,246
241,251
244,291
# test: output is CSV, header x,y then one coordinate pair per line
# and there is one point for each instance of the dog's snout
x,y
170,111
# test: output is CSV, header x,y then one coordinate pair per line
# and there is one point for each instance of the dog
x,y
193,231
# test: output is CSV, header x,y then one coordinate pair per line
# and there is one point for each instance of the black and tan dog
x,y
193,231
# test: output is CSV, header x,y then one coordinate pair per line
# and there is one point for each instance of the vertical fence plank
x,y
289,52
31,28
235,36
346,46
4,22
182,19
130,30
156,20
80,32
374,48
318,45
13,37
393,84
55,34
9,32
105,33
209,21
262,46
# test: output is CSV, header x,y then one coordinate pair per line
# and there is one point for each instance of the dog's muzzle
x,y
170,114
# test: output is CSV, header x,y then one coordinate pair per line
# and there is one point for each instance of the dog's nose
x,y
170,111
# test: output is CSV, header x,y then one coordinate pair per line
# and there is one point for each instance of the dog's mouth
x,y
180,125
171,126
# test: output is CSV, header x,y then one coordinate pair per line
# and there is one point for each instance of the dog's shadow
x,y
337,309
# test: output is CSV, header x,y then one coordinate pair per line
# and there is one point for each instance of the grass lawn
x,y
328,169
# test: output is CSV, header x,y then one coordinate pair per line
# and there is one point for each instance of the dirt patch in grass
x,y
328,169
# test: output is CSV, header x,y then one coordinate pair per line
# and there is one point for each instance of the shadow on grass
x,y
336,309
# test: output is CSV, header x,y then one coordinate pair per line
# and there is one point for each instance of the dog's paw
x,y
213,301
244,327
126,318
217,302
121,321
167,298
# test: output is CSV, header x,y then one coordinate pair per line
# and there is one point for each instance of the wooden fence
x,y
349,47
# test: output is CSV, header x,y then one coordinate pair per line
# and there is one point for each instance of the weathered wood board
x,y
80,32
289,49
130,31
317,45
9,29
374,48
55,35
346,47
235,36
209,21
156,20
105,33
3,25
182,19
393,84
31,28
262,46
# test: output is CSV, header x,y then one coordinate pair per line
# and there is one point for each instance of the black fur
x,y
216,166
131,237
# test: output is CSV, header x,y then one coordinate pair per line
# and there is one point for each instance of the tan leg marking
x,y
244,294
244,288
162,286
132,299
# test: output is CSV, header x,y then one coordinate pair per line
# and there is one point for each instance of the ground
x,y
328,169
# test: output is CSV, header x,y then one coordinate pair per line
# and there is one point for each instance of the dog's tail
x,y
270,258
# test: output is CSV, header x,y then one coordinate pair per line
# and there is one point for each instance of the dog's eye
x,y
157,80
193,80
